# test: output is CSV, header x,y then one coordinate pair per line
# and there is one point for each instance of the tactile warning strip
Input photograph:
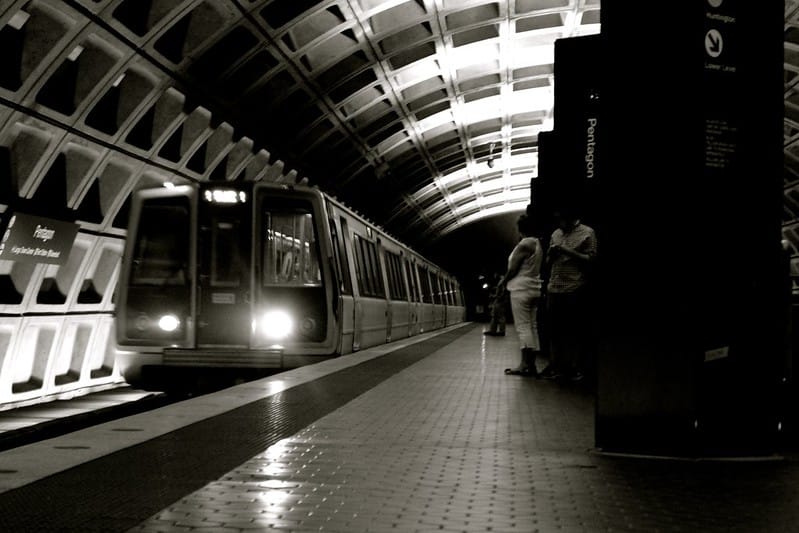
x,y
118,491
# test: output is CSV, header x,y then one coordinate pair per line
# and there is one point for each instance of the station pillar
x,y
688,214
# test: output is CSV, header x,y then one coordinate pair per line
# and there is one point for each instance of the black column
x,y
689,204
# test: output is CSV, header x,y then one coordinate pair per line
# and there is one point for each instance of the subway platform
x,y
426,434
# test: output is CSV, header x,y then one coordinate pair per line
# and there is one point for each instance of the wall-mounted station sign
x,y
34,239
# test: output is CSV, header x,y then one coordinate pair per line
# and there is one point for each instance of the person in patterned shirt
x,y
572,250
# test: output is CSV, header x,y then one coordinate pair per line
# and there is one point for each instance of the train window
x,y
436,288
395,283
401,279
403,291
361,268
411,280
392,285
424,280
393,291
377,272
341,256
290,251
226,253
161,252
370,279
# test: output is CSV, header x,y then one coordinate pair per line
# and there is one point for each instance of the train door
x,y
444,302
156,299
426,315
452,313
438,304
409,268
386,281
371,308
225,232
399,307
339,231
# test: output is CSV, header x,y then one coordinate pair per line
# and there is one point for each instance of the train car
x,y
263,276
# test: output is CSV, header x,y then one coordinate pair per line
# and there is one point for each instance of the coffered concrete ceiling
x,y
396,107
422,114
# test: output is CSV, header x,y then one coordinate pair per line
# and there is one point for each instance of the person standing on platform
x,y
523,281
571,252
498,301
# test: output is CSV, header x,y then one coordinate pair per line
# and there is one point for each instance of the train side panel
x,y
415,299
399,312
343,261
439,306
427,311
371,301
455,309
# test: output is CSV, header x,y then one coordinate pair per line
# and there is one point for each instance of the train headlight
x,y
169,323
277,324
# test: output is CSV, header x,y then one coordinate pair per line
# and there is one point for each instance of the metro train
x,y
239,276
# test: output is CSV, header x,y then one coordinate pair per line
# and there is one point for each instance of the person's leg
x,y
556,335
501,318
584,335
532,345
519,301
492,325
496,327
574,335
543,330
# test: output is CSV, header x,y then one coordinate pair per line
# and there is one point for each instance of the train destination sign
x,y
34,239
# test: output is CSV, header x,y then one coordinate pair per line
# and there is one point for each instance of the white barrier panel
x,y
62,339
53,356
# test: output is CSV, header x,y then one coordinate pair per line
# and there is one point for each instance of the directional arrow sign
x,y
713,43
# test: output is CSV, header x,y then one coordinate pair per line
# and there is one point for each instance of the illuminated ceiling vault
x,y
394,106
412,99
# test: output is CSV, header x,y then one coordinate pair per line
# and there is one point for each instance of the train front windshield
x,y
160,257
291,257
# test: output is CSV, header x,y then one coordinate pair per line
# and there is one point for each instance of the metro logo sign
x,y
34,239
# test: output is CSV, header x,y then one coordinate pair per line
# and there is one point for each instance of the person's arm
x,y
553,249
522,251
565,250
588,247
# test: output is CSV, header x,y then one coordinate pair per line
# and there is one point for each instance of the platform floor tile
x,y
452,444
